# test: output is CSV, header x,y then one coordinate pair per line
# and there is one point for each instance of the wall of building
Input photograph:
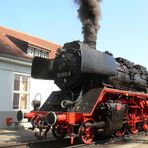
x,y
6,88
7,71
5,115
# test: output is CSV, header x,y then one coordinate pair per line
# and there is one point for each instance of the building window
x,y
36,52
30,52
21,91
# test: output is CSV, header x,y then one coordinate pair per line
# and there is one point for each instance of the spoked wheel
x,y
41,133
39,125
33,123
58,132
86,134
145,127
134,128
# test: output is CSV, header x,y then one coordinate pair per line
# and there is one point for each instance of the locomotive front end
x,y
71,63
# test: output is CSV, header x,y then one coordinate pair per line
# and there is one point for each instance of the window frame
x,y
37,52
20,91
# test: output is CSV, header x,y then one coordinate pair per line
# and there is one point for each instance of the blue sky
x,y
124,24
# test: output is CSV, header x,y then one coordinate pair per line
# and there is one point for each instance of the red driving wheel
x,y
120,133
145,127
134,129
86,133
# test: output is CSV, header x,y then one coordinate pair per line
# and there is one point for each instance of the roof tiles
x,y
8,47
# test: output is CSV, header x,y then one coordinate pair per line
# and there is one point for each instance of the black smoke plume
x,y
89,14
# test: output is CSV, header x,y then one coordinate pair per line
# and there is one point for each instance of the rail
x,y
66,142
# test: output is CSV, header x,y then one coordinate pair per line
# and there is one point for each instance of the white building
x,y
17,88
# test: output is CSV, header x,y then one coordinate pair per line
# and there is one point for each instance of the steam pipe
x,y
96,124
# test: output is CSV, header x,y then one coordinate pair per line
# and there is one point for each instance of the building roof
x,y
8,47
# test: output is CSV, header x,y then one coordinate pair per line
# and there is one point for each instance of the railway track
x,y
66,142
43,144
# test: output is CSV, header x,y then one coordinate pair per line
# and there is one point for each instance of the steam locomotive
x,y
99,95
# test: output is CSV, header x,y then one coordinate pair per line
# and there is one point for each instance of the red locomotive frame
x,y
84,125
